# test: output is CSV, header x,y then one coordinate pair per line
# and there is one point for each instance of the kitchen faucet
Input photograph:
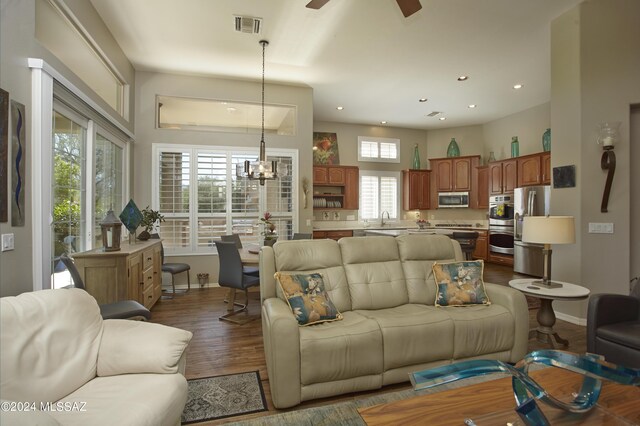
x,y
382,217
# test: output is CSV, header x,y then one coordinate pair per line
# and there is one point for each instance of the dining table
x,y
250,255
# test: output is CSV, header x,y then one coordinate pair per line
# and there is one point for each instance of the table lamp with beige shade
x,y
548,230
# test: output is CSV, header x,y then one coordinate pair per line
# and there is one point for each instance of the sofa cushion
x,y
307,298
323,256
413,334
129,399
49,341
460,283
374,272
622,333
480,329
418,253
340,350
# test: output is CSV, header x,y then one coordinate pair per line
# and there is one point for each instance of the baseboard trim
x,y
571,319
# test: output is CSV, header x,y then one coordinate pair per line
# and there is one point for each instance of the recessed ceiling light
x,y
473,106
442,118
422,100
518,86
339,108
463,77
383,122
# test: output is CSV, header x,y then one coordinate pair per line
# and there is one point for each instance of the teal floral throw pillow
x,y
307,298
460,283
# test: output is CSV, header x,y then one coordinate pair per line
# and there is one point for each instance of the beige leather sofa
x,y
61,363
385,289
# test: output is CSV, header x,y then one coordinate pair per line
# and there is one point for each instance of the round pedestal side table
x,y
546,317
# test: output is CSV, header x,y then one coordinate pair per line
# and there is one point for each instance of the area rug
x,y
346,413
218,397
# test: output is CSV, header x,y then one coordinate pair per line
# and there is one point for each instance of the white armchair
x,y
61,359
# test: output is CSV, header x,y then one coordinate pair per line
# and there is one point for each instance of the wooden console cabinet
x,y
133,273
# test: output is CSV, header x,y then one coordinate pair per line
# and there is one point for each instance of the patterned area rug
x,y
217,397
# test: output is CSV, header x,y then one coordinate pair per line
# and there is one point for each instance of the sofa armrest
x,y
606,309
516,303
141,347
282,352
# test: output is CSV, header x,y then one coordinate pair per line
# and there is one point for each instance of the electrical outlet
x,y
308,222
7,242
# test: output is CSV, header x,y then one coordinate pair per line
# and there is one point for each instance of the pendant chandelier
x,y
260,169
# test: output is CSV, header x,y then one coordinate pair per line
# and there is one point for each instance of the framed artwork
x,y
4,153
18,160
325,149
564,177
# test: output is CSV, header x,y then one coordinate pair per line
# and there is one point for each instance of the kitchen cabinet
x,y
503,176
336,187
482,246
480,188
454,174
333,235
546,168
415,189
133,273
534,169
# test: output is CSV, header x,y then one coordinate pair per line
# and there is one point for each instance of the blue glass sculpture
x,y
131,216
593,367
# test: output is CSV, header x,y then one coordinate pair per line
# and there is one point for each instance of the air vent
x,y
434,113
247,24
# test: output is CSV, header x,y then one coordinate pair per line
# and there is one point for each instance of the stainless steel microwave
x,y
453,199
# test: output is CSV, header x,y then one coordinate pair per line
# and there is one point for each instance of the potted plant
x,y
269,231
149,219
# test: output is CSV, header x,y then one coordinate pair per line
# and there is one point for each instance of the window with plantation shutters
x,y
383,150
379,192
202,199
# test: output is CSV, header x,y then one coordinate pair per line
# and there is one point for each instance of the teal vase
x,y
416,158
546,141
515,147
453,150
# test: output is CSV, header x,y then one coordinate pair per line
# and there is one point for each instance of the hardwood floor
x,y
219,347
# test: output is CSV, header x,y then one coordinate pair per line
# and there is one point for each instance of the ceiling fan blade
x,y
316,4
408,7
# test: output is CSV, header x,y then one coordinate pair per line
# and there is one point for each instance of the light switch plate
x,y
7,242
600,228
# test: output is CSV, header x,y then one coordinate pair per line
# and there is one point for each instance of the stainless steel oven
x,y
501,239
501,210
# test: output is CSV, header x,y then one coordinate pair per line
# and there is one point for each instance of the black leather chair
x,y
467,242
235,238
301,236
613,327
173,269
232,276
125,309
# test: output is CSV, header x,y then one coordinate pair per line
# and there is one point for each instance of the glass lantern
x,y
608,134
111,228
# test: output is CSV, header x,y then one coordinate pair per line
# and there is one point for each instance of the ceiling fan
x,y
408,7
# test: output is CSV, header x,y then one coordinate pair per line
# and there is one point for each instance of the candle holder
x,y
608,136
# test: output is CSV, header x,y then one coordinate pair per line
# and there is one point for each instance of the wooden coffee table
x,y
618,404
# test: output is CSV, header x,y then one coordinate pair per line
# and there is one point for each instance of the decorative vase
x,y
546,141
270,241
416,158
515,147
144,236
453,150
492,157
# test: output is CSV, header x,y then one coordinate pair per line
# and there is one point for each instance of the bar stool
x,y
467,242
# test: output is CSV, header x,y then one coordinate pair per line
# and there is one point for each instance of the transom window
x,y
197,191
383,150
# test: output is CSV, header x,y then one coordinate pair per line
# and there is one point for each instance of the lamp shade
x,y
549,230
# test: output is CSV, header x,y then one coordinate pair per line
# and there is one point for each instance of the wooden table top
x,y
249,258
453,406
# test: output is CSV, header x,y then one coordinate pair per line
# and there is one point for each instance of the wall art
x,y
4,153
564,177
325,149
18,159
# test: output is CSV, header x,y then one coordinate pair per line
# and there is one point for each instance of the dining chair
x,y
231,275
124,309
467,242
235,238
302,236
173,269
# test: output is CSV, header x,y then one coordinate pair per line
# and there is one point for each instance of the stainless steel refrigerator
x,y
528,201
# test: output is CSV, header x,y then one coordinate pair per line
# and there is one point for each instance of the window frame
x,y
378,142
394,215
229,215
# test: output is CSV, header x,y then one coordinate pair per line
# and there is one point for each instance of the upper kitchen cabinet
x,y
454,174
534,169
480,188
546,168
415,189
335,187
503,176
